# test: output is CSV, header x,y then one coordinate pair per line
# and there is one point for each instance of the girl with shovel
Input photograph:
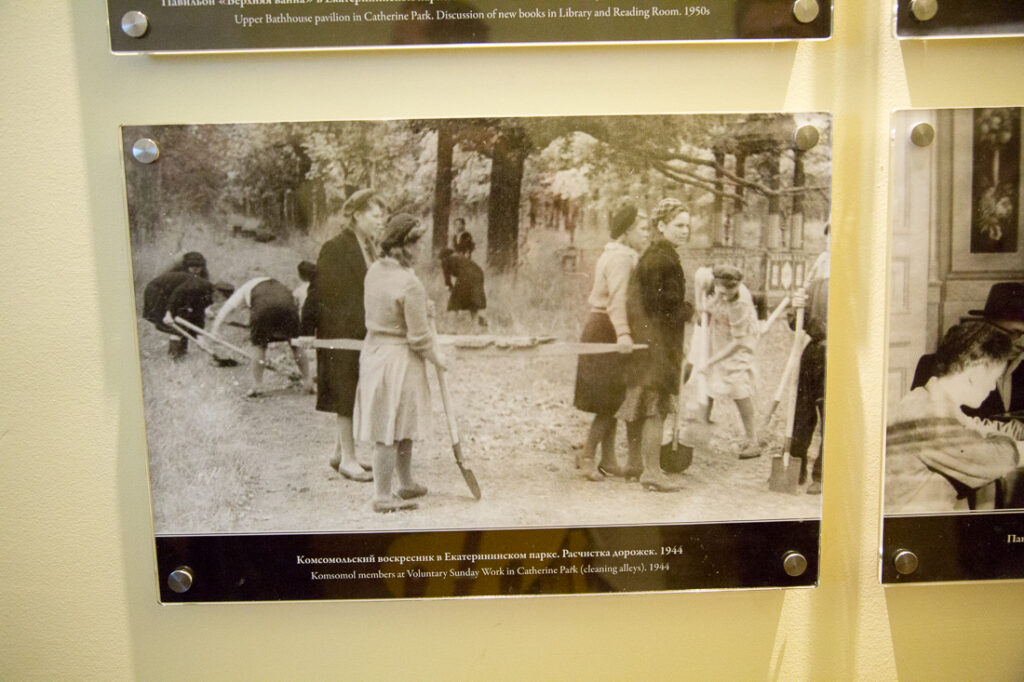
x,y
733,332
392,407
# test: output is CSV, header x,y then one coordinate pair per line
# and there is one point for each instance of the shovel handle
x,y
449,413
446,398
272,366
795,352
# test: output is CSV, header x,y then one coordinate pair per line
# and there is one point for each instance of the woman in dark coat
x,y
657,315
179,294
335,307
464,278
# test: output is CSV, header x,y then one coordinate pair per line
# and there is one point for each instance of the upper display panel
x,y
959,18
244,25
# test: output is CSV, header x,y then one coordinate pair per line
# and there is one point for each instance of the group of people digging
x,y
372,320
638,297
362,288
176,302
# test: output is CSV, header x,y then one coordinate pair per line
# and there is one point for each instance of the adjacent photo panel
x,y
953,493
481,357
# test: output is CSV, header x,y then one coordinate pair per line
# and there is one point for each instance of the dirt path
x,y
260,465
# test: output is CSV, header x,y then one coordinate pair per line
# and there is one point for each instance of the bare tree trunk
x,y
772,237
796,237
507,161
719,237
442,187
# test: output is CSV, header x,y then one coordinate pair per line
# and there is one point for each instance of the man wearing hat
x,y
334,309
1004,308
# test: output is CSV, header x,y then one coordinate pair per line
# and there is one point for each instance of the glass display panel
x,y
953,494
630,317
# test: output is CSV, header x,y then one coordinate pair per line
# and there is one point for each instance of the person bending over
x,y
273,316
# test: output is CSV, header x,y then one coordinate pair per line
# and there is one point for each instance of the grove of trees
x,y
513,172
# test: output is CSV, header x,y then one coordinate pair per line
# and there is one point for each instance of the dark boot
x,y
177,348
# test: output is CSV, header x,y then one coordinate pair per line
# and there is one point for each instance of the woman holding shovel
x,y
392,407
657,316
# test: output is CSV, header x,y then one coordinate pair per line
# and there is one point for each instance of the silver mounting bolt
x,y
134,24
805,11
145,150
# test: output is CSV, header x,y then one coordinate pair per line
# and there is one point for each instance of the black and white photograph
x,y
955,405
504,323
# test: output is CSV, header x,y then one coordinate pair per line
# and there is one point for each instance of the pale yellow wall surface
x,y
77,583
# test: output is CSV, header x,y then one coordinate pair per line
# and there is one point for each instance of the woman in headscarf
x,y
935,454
600,379
192,262
657,315
392,407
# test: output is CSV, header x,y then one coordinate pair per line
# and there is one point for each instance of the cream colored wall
x,y
77,583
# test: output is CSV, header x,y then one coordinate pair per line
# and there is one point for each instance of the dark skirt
x,y
600,379
337,375
274,316
468,292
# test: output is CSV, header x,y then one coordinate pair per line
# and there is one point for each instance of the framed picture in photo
x,y
481,357
988,151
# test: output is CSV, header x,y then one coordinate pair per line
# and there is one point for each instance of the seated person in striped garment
x,y
935,454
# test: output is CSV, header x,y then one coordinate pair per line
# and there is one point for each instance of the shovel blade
x,y
471,483
785,476
675,457
467,473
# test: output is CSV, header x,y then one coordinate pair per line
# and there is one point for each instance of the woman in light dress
x,y
393,400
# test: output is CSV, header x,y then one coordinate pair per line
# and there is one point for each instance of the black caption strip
x,y
242,25
488,562
955,547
